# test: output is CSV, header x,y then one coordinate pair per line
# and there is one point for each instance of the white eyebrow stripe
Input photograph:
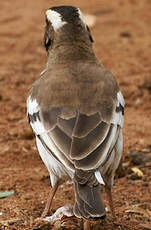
x,y
81,16
55,18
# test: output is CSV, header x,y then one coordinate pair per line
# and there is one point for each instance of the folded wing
x,y
78,141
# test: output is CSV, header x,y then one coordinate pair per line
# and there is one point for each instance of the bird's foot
x,y
66,210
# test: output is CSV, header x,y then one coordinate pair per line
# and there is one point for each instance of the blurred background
x,y
122,41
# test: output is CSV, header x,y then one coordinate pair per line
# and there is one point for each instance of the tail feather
x,y
88,201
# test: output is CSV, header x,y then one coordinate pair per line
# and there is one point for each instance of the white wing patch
x,y
118,119
38,127
118,116
33,108
120,98
55,19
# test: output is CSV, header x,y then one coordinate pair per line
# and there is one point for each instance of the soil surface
x,y
122,35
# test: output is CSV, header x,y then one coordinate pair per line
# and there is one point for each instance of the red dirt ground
x,y
122,36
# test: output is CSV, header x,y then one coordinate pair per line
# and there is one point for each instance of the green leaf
x,y
6,194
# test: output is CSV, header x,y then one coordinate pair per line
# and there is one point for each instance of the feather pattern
x,y
82,142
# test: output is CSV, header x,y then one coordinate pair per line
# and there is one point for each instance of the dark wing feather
x,y
85,124
61,140
66,125
83,146
98,156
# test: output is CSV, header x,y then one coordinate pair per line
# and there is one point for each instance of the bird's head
x,y
65,24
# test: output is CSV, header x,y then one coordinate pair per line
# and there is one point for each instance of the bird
x,y
76,111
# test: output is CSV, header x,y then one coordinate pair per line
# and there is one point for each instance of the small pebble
x,y
139,158
134,176
125,34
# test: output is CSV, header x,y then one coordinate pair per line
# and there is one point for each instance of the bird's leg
x,y
109,197
49,201
87,225
81,221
